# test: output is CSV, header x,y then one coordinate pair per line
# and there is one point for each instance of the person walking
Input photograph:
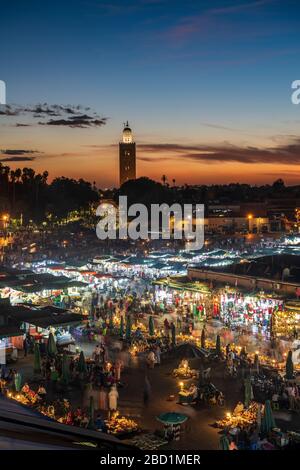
x,y
157,354
151,360
103,399
147,390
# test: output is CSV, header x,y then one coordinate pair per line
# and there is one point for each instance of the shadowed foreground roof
x,y
24,428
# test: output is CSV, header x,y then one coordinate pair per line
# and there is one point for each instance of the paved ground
x,y
198,431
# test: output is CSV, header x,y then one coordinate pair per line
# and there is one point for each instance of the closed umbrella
x,y
65,375
37,359
218,346
91,424
224,442
18,381
151,326
248,392
81,366
268,421
122,327
128,328
195,311
51,346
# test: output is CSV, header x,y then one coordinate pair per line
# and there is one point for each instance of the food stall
x,y
120,426
251,310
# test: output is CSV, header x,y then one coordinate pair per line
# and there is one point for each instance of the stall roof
x,y
38,316
54,319
10,330
183,283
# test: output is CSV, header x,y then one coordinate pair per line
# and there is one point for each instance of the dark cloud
x,y
81,121
287,153
16,152
61,115
17,159
218,126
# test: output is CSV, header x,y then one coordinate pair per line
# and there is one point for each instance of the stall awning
x,y
64,319
7,331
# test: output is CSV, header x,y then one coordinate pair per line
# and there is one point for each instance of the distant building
x,y
237,224
127,156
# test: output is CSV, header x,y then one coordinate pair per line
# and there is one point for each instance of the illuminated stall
x,y
252,310
180,293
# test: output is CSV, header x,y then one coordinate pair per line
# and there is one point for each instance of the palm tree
x,y
164,179
13,181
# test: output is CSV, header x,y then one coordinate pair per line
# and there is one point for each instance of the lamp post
x,y
250,223
5,221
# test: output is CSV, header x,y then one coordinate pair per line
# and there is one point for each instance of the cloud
x,y
17,152
285,154
18,155
217,126
17,159
210,20
76,121
239,7
60,115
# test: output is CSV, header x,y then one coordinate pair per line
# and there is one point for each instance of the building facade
x,y
127,156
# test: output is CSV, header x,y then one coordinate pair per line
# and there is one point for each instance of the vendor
x,y
41,392
193,391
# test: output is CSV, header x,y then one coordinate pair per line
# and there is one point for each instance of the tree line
x,y
27,194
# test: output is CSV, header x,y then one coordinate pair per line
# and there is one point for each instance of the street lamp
x,y
250,222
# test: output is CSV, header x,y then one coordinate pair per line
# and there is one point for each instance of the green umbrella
x,y
122,327
224,442
268,421
18,381
218,346
151,326
172,418
289,367
203,338
37,359
65,374
91,424
248,392
51,346
81,365
128,328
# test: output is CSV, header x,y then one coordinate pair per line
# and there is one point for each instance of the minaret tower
x,y
127,156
